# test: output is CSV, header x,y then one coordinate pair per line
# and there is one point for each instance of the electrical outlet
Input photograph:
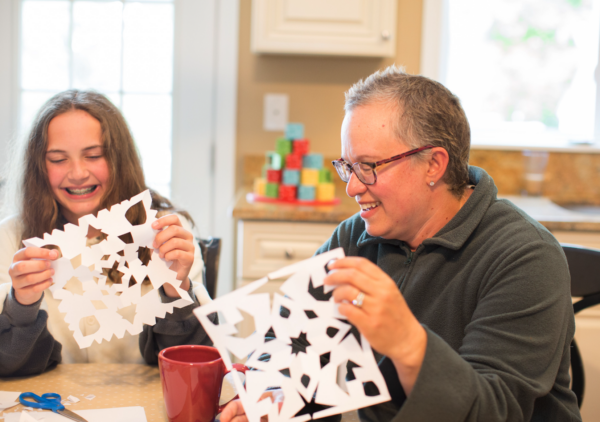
x,y
275,113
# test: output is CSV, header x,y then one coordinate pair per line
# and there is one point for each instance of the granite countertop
x,y
551,215
246,210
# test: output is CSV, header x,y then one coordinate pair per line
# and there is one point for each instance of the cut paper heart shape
x,y
101,298
309,373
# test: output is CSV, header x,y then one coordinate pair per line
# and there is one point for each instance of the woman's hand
x,y
234,411
384,317
31,274
176,244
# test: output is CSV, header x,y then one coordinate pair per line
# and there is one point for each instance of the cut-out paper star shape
x,y
306,372
101,298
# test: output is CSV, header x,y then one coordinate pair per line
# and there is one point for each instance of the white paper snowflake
x,y
97,291
300,375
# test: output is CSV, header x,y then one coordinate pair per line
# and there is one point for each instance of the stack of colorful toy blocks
x,y
292,173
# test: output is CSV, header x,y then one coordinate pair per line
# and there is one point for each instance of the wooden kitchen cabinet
x,y
266,246
325,27
587,333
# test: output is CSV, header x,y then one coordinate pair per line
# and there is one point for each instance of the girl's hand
x,y
176,244
384,317
31,274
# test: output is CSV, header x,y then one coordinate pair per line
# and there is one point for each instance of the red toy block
x,y
293,161
273,176
301,146
287,192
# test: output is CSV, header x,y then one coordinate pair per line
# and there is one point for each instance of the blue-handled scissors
x,y
49,401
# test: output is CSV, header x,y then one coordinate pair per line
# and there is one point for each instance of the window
x,y
123,49
523,69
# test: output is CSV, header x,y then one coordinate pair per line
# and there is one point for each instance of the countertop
x,y
551,215
246,210
554,217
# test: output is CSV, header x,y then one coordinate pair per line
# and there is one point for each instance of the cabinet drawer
x,y
264,247
587,239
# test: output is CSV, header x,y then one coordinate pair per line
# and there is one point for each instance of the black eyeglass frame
x,y
340,162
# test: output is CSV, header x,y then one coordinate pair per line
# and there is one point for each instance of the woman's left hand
x,y
384,317
176,244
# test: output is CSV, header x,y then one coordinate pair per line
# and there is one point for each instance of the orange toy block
x,y
325,192
309,177
260,186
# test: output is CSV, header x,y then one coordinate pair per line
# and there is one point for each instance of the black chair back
x,y
211,253
584,267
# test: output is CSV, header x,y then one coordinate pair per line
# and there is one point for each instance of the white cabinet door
x,y
325,27
266,246
587,334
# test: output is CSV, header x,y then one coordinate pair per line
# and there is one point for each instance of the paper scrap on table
x,y
90,397
8,399
26,417
102,299
73,399
117,414
315,323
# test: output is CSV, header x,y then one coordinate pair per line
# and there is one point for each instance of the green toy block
x,y
325,176
284,147
272,190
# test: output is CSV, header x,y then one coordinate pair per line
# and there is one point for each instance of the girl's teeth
x,y
81,191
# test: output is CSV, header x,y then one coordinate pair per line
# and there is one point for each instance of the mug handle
x,y
240,368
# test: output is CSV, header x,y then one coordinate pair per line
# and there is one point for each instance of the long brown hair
x,y
39,211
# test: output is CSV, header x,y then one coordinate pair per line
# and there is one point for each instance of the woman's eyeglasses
x,y
366,171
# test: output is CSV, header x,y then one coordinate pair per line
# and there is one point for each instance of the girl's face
x,y
77,170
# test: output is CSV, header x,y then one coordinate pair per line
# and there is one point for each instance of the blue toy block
x,y
291,177
294,131
312,161
306,193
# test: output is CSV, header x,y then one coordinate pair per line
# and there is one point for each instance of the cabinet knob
x,y
385,35
289,254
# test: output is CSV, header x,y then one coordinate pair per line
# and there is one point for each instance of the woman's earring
x,y
431,183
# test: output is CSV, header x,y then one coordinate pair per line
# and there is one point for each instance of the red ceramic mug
x,y
191,378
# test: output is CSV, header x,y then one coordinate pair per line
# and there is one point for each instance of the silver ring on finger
x,y
358,302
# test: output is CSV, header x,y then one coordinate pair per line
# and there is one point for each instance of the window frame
x,y
206,46
434,55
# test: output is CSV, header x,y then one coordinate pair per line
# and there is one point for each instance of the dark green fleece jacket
x,y
492,290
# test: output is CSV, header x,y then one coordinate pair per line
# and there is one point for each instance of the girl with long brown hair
x,y
80,158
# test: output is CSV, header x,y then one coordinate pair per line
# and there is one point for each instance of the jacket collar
x,y
454,234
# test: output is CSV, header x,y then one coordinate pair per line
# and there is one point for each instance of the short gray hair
x,y
427,113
